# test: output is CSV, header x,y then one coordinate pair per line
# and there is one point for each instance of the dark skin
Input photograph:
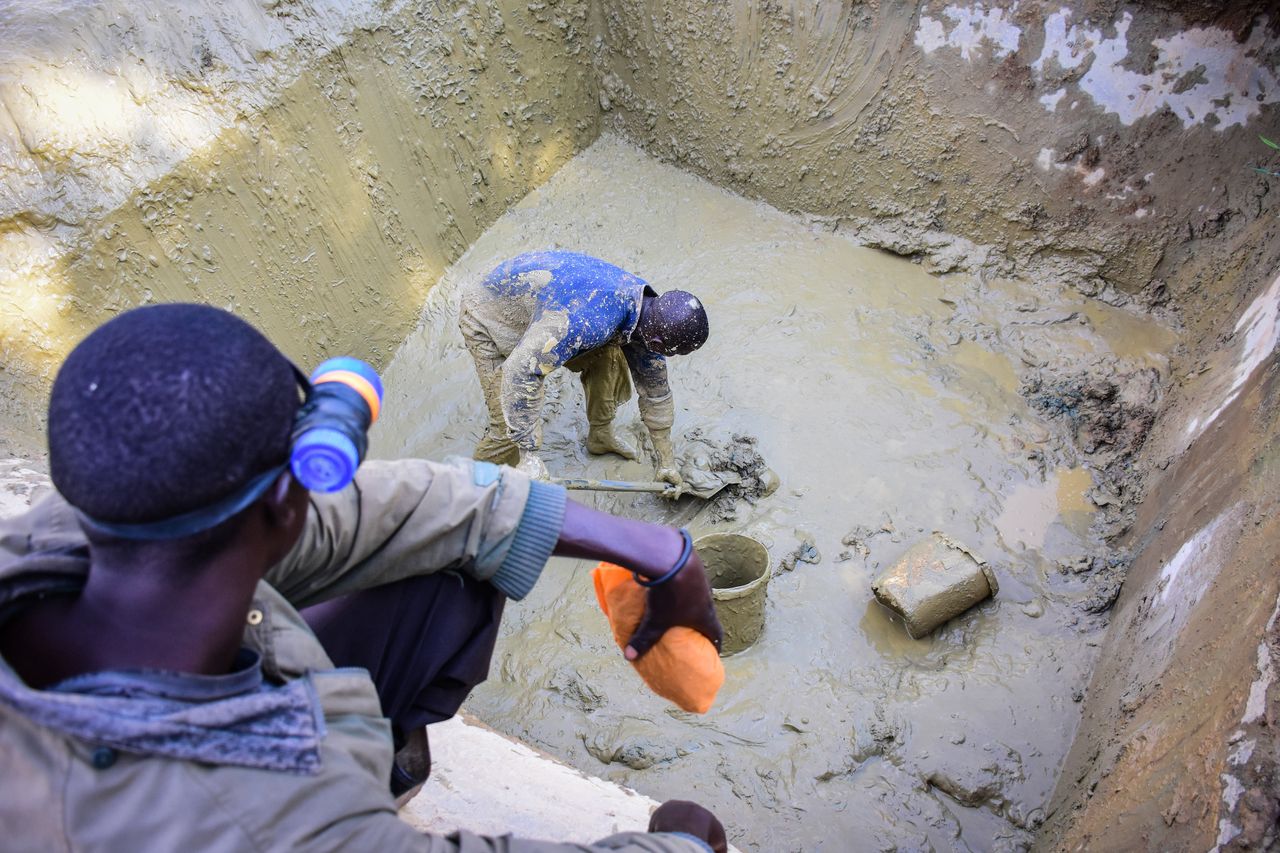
x,y
169,606
650,550
180,606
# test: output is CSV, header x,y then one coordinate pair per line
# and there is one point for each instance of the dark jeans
x,y
425,640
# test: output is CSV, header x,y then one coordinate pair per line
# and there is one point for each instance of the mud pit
x,y
889,403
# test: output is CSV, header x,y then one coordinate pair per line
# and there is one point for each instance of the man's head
x,y
674,323
165,410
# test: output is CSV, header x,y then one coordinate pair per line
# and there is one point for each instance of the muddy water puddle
x,y
887,400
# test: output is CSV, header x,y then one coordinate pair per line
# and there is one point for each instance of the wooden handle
x,y
611,485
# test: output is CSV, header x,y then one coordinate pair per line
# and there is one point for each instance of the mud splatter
x,y
1109,418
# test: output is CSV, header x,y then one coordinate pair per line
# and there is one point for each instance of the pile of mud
x,y
707,463
1109,417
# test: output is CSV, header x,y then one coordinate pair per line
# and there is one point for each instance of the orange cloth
x,y
683,667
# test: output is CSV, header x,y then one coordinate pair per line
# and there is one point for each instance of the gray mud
x,y
890,404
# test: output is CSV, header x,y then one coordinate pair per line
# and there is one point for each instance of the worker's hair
x,y
166,409
682,319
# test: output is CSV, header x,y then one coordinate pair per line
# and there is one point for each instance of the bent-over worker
x,y
543,310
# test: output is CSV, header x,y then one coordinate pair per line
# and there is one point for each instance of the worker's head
x,y
168,410
674,323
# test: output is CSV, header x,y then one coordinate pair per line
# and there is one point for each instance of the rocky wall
x,y
312,165
1178,746
1099,143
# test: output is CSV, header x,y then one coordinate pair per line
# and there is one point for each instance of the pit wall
x,y
1098,143
1177,747
313,166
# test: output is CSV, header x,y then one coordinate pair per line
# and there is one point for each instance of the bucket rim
x,y
728,593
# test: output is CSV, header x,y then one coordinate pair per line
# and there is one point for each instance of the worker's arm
x,y
650,550
545,346
657,408
387,833
411,517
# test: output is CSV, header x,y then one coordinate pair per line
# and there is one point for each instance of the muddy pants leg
x,y
495,446
426,642
606,383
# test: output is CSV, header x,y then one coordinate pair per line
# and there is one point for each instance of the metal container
x,y
738,569
933,582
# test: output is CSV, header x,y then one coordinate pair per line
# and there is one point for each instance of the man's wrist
x,y
686,550
649,550
652,563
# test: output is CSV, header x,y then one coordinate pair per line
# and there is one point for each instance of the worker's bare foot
x,y
603,439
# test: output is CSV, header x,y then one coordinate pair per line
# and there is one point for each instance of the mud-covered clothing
x,y
544,310
286,752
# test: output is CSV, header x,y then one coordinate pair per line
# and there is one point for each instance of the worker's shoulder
x,y
562,265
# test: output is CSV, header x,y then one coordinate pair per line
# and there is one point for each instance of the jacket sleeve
x,y
649,373
411,517
626,842
386,832
545,346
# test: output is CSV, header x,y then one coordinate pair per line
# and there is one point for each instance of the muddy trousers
x,y
426,642
606,383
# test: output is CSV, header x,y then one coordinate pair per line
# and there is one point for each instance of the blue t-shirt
x,y
602,301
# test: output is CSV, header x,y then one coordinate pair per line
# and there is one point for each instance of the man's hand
x,y
650,550
685,600
691,819
678,485
668,472
533,466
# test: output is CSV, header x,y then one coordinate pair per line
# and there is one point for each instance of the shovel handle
x,y
611,485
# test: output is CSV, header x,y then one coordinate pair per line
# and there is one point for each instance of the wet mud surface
x,y
890,403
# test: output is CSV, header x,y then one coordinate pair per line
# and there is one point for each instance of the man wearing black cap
x,y
544,310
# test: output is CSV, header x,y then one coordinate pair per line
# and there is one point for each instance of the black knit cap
x,y
681,319
166,409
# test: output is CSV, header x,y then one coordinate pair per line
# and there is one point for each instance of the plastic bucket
x,y
738,569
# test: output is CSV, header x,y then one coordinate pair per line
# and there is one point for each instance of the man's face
x,y
657,343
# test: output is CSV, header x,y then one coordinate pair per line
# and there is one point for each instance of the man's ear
x,y
280,509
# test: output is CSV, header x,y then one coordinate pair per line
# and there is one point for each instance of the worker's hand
x,y
668,471
533,466
678,485
685,600
692,819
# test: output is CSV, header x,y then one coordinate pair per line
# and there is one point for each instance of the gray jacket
x,y
287,752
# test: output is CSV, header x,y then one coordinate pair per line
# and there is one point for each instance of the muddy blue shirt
x,y
541,309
